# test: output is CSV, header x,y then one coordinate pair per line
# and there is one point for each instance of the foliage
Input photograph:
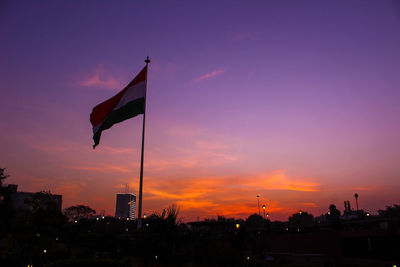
x,y
5,204
390,211
3,189
301,220
169,215
75,213
333,214
3,176
254,222
41,200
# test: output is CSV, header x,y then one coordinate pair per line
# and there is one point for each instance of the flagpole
x,y
139,225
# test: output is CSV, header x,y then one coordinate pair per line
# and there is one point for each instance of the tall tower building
x,y
125,206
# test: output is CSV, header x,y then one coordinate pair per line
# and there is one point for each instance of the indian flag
x,y
128,103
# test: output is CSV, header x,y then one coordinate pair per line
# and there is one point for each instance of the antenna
x,y
126,188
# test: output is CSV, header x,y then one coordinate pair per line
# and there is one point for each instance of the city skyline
x,y
297,102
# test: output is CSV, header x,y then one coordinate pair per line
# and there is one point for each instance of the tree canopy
x,y
79,212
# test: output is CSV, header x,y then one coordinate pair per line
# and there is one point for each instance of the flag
x,y
128,103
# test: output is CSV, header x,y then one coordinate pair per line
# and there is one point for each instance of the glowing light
x,y
144,216
97,218
127,219
300,212
103,217
44,251
287,229
248,258
368,214
147,224
75,221
237,226
155,256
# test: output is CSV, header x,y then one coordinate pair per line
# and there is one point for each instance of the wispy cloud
x,y
104,168
210,75
233,196
278,180
116,150
99,78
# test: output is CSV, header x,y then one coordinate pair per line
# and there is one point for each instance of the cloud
x,y
278,180
229,196
104,168
210,75
114,150
100,79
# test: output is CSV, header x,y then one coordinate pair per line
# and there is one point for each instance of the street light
x,y
263,206
258,201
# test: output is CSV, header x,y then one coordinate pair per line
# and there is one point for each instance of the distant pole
x,y
258,201
356,197
139,225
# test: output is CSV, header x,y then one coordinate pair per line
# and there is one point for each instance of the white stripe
x,y
134,92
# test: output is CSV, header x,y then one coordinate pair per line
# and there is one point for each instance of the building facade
x,y
125,206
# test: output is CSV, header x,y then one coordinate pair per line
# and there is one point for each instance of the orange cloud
x,y
229,196
278,180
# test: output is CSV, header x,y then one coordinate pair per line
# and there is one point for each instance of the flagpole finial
x,y
147,60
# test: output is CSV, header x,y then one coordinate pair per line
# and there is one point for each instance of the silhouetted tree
x,y
3,189
3,175
5,204
172,214
301,220
333,214
168,215
41,200
333,217
79,212
254,222
390,211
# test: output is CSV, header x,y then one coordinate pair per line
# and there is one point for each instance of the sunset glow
x,y
297,102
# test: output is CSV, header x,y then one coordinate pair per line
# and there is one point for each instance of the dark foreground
x,y
46,237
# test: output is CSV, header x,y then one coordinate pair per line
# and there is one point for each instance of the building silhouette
x,y
20,200
125,207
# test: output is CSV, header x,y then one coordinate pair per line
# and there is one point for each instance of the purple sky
x,y
295,100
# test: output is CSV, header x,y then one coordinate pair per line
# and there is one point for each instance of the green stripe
x,y
128,111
